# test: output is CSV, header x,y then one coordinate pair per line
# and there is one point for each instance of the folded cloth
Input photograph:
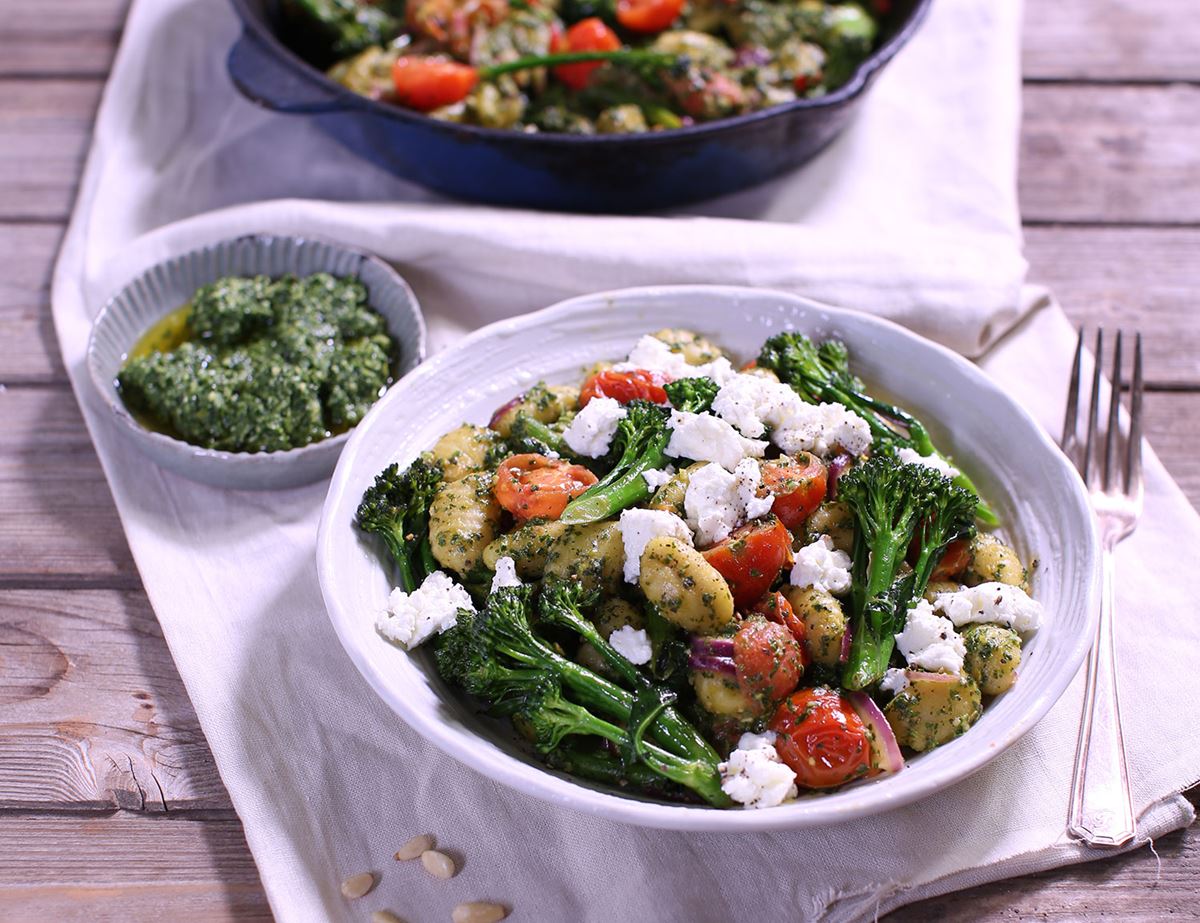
x,y
911,215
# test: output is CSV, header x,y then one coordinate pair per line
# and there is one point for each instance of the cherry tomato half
x,y
648,15
768,659
533,485
955,560
426,83
751,558
821,738
798,485
624,387
589,34
776,608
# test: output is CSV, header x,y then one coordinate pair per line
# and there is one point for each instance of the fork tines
x,y
1101,469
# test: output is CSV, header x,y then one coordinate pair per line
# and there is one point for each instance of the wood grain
x,y
1111,40
59,37
126,867
93,714
30,353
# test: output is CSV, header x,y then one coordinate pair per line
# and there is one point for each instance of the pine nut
x,y
414,847
358,885
479,912
438,864
385,916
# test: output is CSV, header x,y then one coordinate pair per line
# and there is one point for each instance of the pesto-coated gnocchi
x,y
463,519
463,450
824,622
545,403
528,545
992,561
993,655
933,709
592,554
683,587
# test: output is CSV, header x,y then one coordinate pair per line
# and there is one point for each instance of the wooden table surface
x,y
110,805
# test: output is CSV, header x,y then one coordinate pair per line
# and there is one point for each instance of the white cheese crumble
x,y
656,477
591,432
637,527
718,501
654,355
820,428
703,437
632,643
754,776
506,574
410,618
752,403
936,462
930,642
894,681
821,565
991,602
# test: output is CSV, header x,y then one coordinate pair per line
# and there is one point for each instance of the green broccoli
x,y
822,374
692,395
396,508
639,444
335,29
893,504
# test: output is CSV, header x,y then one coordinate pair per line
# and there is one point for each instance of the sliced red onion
x,y
847,640
752,56
887,751
837,467
716,647
499,414
708,663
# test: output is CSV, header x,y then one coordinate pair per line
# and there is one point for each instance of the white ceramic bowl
x,y
168,285
1033,487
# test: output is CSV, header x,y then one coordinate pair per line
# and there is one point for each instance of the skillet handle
x,y
263,78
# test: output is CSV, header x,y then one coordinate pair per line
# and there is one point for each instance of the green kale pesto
x,y
261,365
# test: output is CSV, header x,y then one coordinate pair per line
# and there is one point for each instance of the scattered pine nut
x,y
385,916
414,847
358,885
438,864
479,912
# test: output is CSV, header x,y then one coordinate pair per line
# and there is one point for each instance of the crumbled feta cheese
x,y
703,437
717,501
754,776
591,432
432,607
936,462
506,574
991,602
820,428
894,681
654,355
632,643
656,477
752,403
637,527
820,565
930,642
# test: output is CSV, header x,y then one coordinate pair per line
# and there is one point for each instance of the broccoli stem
x,y
620,489
652,59
603,766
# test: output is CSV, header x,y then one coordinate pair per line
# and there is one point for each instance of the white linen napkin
x,y
911,215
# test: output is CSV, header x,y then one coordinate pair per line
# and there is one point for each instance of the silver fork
x,y
1101,810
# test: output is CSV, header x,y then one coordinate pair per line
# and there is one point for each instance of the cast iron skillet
x,y
594,173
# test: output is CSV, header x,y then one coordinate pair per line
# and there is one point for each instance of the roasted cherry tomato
x,y
768,659
533,485
955,560
426,83
821,738
798,485
776,608
589,34
648,15
751,558
624,387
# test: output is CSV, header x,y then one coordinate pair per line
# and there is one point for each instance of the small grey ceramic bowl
x,y
170,284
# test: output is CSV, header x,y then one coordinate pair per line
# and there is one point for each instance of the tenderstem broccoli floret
x,y
396,508
893,504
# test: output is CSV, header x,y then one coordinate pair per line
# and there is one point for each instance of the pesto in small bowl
x,y
255,364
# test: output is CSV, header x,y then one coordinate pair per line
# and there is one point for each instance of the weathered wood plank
x,y
30,352
1106,154
77,37
126,867
1143,279
1111,40
1110,154
59,519
93,714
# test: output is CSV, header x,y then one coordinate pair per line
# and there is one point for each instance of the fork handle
x,y
1101,810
